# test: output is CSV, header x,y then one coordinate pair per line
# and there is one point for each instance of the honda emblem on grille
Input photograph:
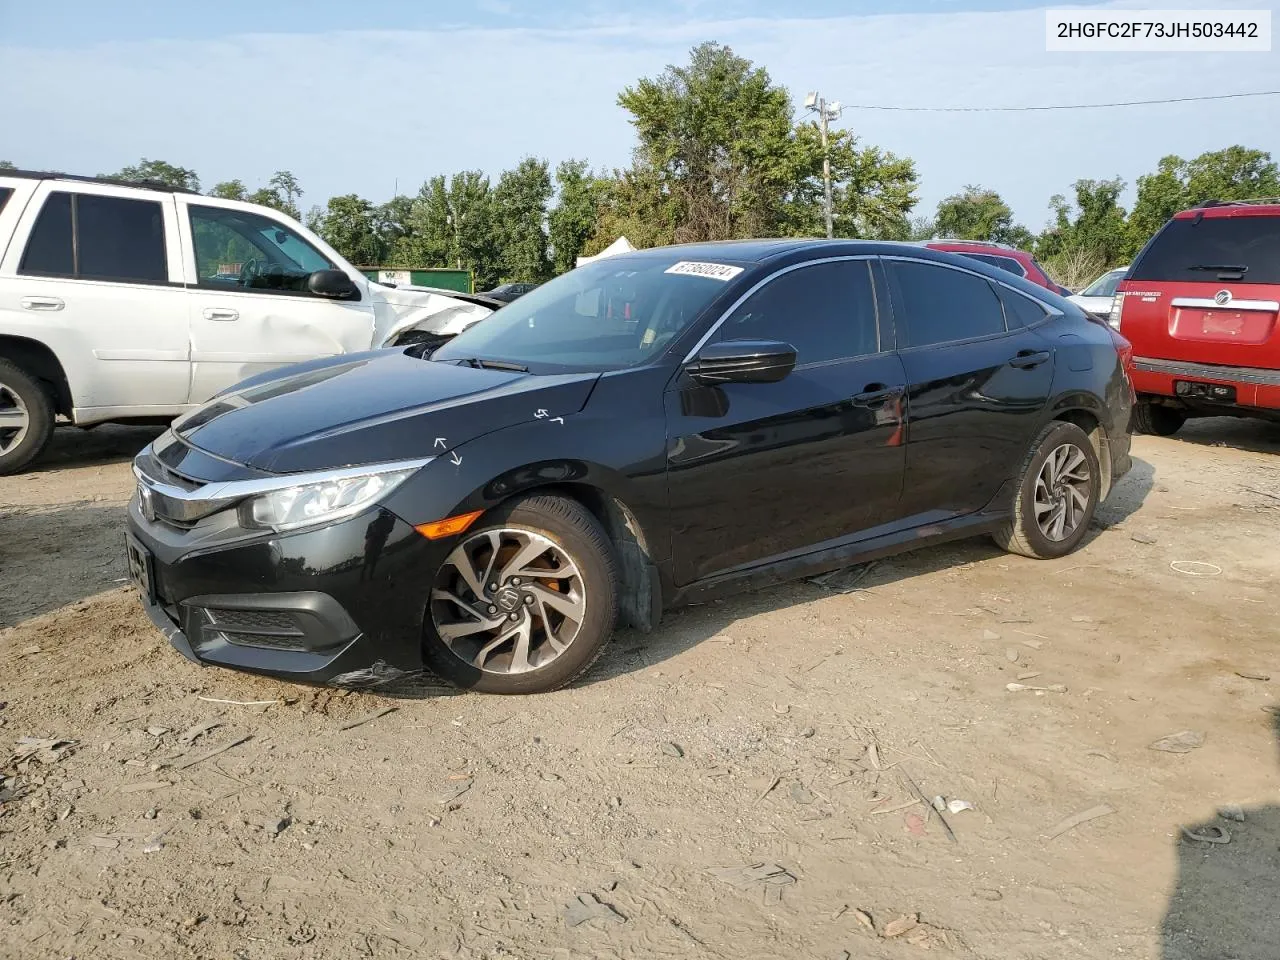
x,y
147,502
1222,297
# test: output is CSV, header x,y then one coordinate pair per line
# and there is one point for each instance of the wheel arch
x,y
41,362
1086,417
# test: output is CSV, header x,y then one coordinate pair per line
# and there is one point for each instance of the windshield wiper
x,y
1221,268
480,363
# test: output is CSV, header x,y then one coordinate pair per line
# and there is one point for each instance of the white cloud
x,y
359,110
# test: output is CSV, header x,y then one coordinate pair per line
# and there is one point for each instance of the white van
x,y
124,301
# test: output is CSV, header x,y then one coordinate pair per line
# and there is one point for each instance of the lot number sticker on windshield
x,y
712,271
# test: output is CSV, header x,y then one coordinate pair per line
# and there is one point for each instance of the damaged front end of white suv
x,y
406,315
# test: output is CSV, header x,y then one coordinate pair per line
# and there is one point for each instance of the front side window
x,y
616,313
5,194
236,250
91,237
941,304
826,311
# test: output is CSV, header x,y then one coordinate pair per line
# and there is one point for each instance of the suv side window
x,y
940,304
91,237
237,250
827,311
5,194
1019,311
1004,263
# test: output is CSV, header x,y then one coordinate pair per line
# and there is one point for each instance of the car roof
x,y
1264,207
758,251
975,246
114,181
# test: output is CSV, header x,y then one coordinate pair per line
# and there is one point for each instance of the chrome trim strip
x,y
702,341
189,505
1206,371
1208,303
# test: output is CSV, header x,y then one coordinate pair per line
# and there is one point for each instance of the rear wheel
x,y
26,417
1157,419
526,603
1057,495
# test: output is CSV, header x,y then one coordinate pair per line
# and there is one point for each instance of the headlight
x,y
322,500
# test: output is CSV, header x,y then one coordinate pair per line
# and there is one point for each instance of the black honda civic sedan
x,y
652,429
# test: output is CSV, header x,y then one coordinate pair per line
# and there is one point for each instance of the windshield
x,y
1240,249
607,315
1105,285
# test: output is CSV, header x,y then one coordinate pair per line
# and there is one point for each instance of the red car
x,y
1017,262
1200,307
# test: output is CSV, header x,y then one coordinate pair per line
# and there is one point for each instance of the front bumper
x,y
341,604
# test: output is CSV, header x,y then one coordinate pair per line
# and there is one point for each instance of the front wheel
x,y
1057,495
526,603
26,417
1156,419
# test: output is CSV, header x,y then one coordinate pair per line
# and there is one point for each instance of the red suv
x,y
1200,306
1001,255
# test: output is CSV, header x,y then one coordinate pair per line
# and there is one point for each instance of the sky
x,y
380,95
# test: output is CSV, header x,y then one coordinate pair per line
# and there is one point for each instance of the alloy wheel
x,y
1063,488
14,419
508,601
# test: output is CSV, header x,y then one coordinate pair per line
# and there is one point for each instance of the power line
x,y
1065,106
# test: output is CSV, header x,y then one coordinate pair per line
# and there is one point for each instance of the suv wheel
x,y
526,603
26,417
1061,481
1157,419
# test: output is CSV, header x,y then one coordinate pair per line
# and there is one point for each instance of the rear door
x,y
250,307
977,385
1206,291
761,470
94,271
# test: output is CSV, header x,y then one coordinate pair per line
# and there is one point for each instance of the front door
x,y
761,470
250,307
977,385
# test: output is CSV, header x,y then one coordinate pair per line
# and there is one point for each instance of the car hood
x,y
373,407
397,309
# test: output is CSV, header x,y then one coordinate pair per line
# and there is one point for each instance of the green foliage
x,y
572,221
350,224
519,210
230,190
977,214
160,172
7,165
1094,223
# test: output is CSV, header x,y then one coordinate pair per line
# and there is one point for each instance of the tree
x,y
230,190
284,182
161,172
978,214
350,225
395,227
717,156
7,165
1094,225
1236,173
519,209
872,190
573,219
451,224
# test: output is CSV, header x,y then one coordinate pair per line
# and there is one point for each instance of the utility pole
x,y
826,112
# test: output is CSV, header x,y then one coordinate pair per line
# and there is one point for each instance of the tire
x,y
1156,419
28,409
1022,533
566,531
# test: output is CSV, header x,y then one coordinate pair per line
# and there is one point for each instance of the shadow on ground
x,y
1226,901
108,443
1256,436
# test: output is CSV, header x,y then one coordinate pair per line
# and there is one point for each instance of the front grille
x,y
274,629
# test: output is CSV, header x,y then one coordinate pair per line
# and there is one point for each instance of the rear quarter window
x,y
1235,249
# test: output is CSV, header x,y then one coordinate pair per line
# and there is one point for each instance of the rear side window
x,y
91,237
1019,311
1215,248
5,194
940,304
1004,263
826,311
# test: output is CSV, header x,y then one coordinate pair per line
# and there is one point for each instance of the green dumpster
x,y
440,277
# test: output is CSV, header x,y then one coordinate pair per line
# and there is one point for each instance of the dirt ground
x,y
789,729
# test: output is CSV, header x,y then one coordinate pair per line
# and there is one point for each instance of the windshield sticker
x,y
712,271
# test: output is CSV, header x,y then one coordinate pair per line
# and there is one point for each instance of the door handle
x,y
1028,359
220,313
42,303
875,394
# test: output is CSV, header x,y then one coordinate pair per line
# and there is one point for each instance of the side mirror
x,y
333,284
743,361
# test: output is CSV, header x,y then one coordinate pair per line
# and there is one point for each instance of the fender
x,y
448,322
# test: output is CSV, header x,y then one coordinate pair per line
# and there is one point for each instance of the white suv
x,y
129,302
